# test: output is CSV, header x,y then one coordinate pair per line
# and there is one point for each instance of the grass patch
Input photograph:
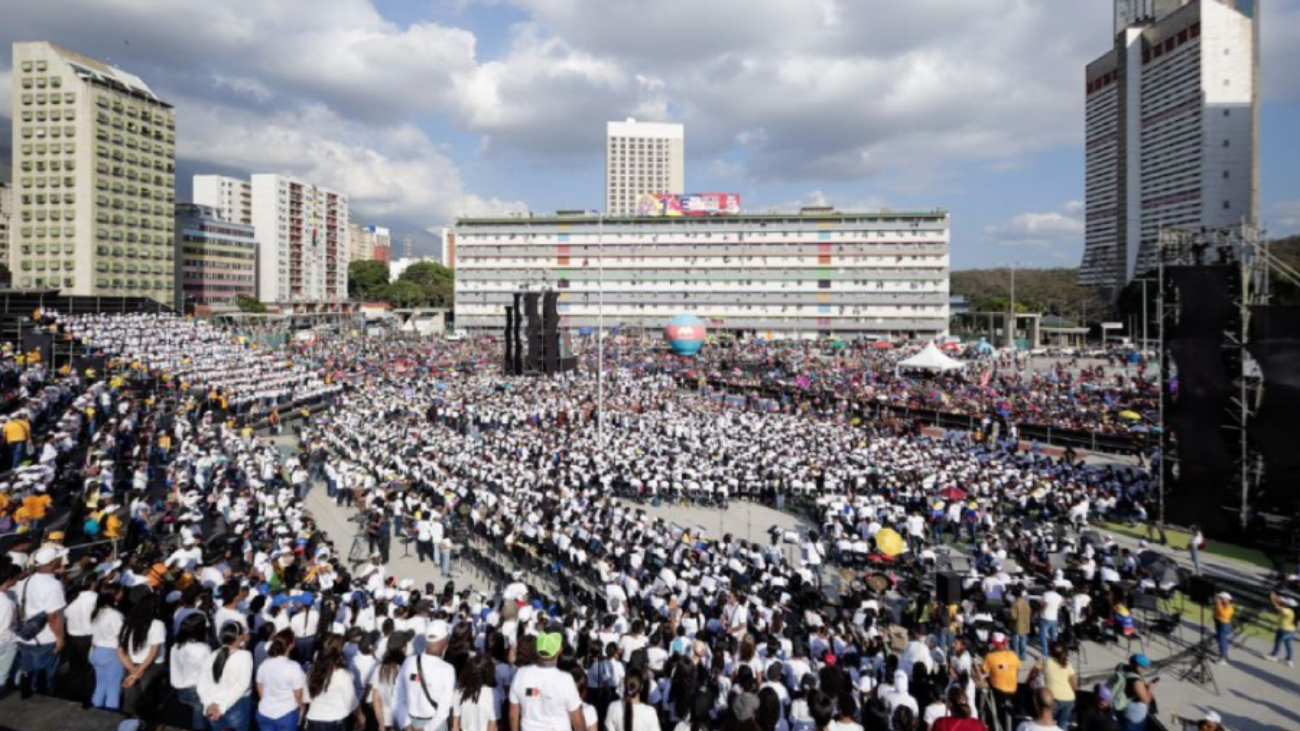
x,y
1178,541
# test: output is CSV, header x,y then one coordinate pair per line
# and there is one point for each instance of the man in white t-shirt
x,y
426,684
8,618
542,697
424,539
41,593
1048,615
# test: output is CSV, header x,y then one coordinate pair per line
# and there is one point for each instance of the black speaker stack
x,y
534,319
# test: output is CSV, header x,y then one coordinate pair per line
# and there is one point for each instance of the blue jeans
x,y
1062,713
287,722
236,717
1046,634
8,653
18,452
444,561
1280,640
1223,633
108,678
37,663
189,697
1018,644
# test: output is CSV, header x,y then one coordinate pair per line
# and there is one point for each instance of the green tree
x,y
401,293
365,277
435,280
248,303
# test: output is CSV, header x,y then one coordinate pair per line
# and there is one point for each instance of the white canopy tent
x,y
931,359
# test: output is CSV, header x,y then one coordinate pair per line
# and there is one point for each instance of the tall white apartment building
x,y
6,211
778,275
231,197
302,240
641,158
1172,122
94,178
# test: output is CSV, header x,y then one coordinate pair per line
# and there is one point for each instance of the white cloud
x,y
387,172
251,87
1047,231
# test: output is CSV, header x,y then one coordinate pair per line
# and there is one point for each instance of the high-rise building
x,y
368,243
6,210
1172,120
231,197
447,254
217,259
778,275
642,158
94,177
302,240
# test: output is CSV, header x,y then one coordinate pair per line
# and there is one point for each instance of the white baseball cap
x,y
48,555
437,630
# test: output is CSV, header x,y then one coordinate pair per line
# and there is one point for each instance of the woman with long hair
x,y
280,683
460,647
383,691
225,687
141,649
106,626
474,707
631,713
190,654
331,693
1059,679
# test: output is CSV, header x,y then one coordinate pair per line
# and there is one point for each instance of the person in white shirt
x,y
1049,614
142,648
280,684
475,708
41,593
427,684
331,694
106,626
79,676
226,684
9,574
543,698
384,682
629,713
190,655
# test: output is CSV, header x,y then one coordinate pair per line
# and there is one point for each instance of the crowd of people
x,y
163,562
1086,395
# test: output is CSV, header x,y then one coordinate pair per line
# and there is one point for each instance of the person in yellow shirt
x,y
18,437
1224,611
37,505
1002,669
1285,636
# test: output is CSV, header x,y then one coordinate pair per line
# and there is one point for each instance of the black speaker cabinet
x,y
947,587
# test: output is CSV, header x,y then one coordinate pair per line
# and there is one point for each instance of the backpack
x,y
1118,685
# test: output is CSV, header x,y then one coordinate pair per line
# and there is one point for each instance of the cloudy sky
x,y
425,109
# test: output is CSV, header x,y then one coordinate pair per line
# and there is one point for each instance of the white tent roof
x,y
930,359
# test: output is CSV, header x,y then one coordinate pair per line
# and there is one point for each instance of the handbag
x,y
31,627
